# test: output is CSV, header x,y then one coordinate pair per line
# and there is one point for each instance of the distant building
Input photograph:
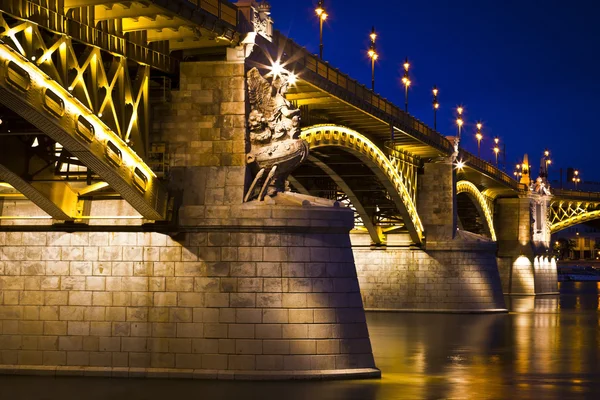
x,y
585,238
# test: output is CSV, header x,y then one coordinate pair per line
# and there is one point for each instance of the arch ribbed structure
x,y
566,213
54,110
366,151
481,203
559,226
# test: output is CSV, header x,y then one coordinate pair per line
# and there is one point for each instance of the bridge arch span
x,y
480,202
54,109
367,152
567,213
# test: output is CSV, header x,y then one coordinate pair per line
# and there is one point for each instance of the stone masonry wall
x,y
407,279
436,201
522,269
204,303
546,279
204,126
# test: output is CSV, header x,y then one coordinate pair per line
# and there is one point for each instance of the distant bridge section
x,y
570,207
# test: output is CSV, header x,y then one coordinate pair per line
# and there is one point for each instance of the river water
x,y
545,348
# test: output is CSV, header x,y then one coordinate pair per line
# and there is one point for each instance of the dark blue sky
x,y
529,69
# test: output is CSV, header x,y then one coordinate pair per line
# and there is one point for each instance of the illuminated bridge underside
x,y
376,237
144,31
48,106
482,204
327,96
566,213
323,136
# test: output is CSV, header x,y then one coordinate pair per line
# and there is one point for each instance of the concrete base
x,y
252,291
528,275
200,374
460,275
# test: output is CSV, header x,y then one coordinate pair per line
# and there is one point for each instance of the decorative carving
x,y
261,19
274,126
540,186
455,144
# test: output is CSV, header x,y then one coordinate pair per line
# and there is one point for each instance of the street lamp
x,y
547,162
518,172
479,136
576,178
459,119
436,105
406,82
373,56
320,10
496,149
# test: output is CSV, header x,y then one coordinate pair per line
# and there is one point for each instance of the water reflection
x,y
546,347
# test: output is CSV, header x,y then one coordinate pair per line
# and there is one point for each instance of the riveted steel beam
x,y
55,198
53,110
386,173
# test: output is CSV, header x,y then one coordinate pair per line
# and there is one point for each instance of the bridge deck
x,y
332,96
143,32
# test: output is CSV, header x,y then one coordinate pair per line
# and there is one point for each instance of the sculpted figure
x,y
540,187
455,144
274,126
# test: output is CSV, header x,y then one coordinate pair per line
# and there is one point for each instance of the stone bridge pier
x,y
526,264
455,271
227,289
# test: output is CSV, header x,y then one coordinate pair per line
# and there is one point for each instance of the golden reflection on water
x,y
546,347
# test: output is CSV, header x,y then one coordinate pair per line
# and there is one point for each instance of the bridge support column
x,y
437,201
524,259
455,271
261,290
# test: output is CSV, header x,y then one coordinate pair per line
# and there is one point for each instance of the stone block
x,y
296,362
241,331
214,362
295,331
303,347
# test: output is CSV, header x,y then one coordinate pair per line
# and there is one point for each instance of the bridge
x,y
127,248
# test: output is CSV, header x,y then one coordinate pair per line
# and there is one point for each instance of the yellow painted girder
x,y
53,110
360,146
482,204
56,199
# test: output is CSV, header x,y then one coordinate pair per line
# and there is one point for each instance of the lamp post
x,y
436,105
320,10
576,178
496,149
547,162
479,136
459,120
373,56
406,82
518,172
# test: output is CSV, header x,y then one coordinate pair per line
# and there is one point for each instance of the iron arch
x,y
481,203
368,153
567,213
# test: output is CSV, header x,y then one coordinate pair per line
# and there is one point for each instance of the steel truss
x,y
85,99
565,213
484,204
400,186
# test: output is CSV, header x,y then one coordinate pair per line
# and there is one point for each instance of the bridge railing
x,y
576,195
492,171
220,9
348,89
56,21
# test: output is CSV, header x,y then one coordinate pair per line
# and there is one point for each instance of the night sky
x,y
528,69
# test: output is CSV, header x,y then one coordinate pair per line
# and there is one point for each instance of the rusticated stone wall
x,y
524,265
451,280
235,303
205,128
